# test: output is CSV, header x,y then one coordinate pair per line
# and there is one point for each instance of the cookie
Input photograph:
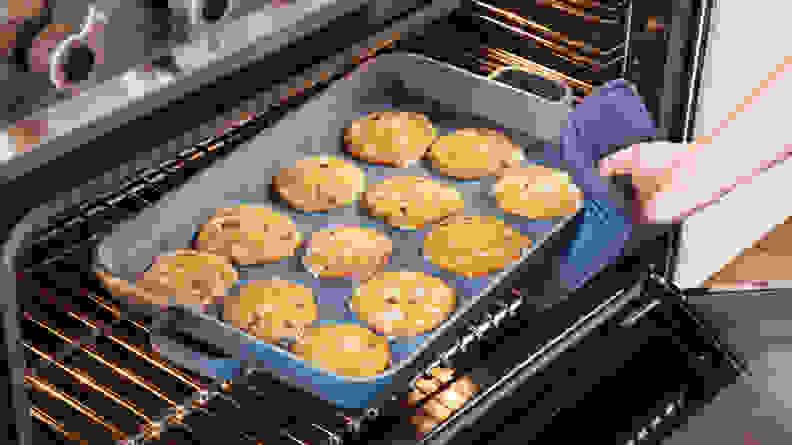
x,y
320,183
435,408
189,277
397,138
473,153
473,245
403,303
411,202
249,235
537,192
271,310
347,252
345,349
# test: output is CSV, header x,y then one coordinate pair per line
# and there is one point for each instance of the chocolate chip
x,y
287,236
403,210
289,324
300,305
412,301
391,300
372,346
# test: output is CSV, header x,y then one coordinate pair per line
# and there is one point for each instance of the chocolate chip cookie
x,y
249,235
320,183
347,252
473,153
345,349
272,309
474,245
537,192
397,138
403,303
411,202
188,277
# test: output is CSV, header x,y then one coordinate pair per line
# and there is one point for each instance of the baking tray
x,y
452,99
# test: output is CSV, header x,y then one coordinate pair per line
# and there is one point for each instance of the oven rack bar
x,y
176,416
149,425
541,30
41,385
506,58
574,11
53,424
563,53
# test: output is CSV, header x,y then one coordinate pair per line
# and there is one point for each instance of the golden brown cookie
x,y
189,277
320,183
438,407
473,153
537,192
397,138
347,251
411,202
474,245
403,303
272,309
345,349
249,235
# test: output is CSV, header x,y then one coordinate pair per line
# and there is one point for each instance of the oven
x,y
624,360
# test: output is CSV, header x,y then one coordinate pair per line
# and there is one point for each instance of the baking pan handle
x,y
534,83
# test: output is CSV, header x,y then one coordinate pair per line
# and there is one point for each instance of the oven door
x,y
632,374
758,408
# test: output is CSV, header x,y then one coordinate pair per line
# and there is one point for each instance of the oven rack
x,y
545,35
71,363
489,37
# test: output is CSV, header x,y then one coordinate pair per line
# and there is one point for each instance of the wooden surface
x,y
769,259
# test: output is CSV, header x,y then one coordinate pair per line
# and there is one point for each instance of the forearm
x,y
751,137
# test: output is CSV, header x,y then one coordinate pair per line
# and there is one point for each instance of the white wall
x,y
746,43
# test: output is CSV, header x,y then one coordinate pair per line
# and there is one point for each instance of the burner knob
x,y
77,63
74,58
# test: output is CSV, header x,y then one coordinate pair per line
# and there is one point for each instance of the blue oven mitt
x,y
610,119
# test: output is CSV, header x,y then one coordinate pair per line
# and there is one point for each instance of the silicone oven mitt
x,y
611,118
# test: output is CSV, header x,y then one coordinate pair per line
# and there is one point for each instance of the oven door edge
x,y
649,311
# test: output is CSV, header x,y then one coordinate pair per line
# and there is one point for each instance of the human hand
x,y
659,171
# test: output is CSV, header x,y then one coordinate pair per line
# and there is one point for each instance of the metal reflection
x,y
510,60
142,354
54,424
115,368
41,385
85,380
